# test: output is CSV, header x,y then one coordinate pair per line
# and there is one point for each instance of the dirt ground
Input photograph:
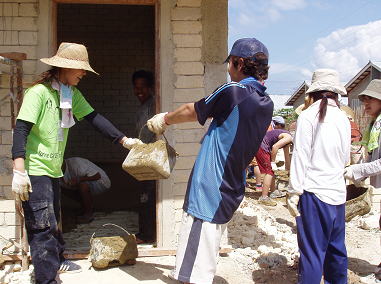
x,y
363,248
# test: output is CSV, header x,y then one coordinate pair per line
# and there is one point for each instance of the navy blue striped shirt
x,y
241,114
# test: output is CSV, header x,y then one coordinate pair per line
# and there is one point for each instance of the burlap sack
x,y
358,201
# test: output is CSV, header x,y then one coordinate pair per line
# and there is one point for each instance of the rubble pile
x,y
12,274
260,240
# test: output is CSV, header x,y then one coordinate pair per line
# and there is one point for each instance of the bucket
x,y
358,201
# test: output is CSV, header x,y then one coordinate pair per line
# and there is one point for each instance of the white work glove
x,y
348,173
21,185
131,142
292,204
157,123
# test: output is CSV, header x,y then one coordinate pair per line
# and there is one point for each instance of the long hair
x,y
324,96
47,76
257,67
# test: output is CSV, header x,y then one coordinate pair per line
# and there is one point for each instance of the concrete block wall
x,y
119,42
18,33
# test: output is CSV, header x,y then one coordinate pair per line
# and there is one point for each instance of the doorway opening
x,y
120,40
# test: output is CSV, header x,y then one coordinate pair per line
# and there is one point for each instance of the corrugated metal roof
x,y
299,92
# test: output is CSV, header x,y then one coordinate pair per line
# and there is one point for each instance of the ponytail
x,y
324,96
47,76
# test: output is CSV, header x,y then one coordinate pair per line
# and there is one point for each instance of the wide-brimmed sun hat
x,y
326,80
373,89
70,55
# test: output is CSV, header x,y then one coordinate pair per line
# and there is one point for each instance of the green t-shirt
x,y
44,151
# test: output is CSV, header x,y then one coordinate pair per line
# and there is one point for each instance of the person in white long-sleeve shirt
x,y
317,187
371,99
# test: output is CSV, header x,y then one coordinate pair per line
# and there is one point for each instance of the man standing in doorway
x,y
143,86
241,112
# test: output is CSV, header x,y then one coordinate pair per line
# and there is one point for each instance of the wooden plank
x,y
116,2
18,56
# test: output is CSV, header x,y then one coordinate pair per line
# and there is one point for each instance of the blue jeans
x,y
321,241
42,214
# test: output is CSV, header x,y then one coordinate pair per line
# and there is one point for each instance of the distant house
x,y
356,85
297,98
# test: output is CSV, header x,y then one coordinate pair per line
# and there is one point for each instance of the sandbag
x,y
151,161
113,251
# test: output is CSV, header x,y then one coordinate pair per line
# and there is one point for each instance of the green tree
x,y
288,114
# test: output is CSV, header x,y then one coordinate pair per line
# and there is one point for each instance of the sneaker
x,y
277,194
67,266
266,201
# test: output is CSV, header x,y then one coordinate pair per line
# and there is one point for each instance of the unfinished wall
x,y
199,44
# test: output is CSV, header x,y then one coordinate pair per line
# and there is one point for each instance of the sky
x,y
303,35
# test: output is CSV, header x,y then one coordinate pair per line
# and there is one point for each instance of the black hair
x,y
324,96
148,75
256,66
47,76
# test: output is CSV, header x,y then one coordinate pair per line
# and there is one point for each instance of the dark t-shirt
x,y
271,138
241,113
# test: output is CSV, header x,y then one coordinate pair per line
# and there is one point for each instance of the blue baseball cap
x,y
247,48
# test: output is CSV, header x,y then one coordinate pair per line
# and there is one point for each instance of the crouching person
x,y
241,112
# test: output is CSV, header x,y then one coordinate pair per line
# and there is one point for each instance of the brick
x,y
187,82
188,95
29,50
29,66
2,219
28,38
7,205
188,3
12,219
1,9
187,40
185,163
24,23
180,176
6,23
180,189
186,27
187,149
189,135
6,151
188,68
186,14
7,192
188,54
188,125
10,38
10,9
5,123
6,137
5,180
1,37
28,9
5,108
9,232
4,80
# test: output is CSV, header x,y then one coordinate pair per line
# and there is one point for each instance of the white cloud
x,y
348,50
279,68
253,13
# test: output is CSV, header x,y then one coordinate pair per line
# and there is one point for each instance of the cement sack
x,y
151,161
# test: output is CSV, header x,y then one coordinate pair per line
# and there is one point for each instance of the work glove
x,y
21,185
292,204
348,173
157,123
131,142
274,166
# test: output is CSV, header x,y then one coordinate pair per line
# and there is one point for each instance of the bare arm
x,y
284,139
184,113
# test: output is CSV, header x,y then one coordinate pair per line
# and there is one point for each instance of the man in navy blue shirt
x,y
241,112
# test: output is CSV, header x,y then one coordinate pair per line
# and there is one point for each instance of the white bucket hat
x,y
326,80
373,89
70,55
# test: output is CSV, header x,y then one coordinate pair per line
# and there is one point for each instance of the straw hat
x,y
326,80
70,55
373,89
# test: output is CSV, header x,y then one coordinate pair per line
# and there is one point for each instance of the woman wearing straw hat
x,y
371,99
39,141
317,190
